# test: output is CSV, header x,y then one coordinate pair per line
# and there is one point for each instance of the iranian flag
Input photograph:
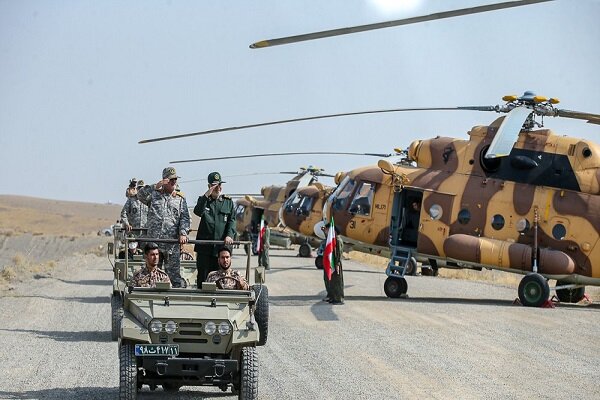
x,y
329,253
261,233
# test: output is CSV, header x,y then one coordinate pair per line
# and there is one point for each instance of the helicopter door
x,y
406,215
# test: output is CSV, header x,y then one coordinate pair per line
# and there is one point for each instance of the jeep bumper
x,y
201,369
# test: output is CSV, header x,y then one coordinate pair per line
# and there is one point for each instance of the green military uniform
x,y
335,287
217,221
263,256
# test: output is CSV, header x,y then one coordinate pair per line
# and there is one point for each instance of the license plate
x,y
152,350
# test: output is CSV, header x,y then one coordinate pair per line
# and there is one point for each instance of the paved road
x,y
450,339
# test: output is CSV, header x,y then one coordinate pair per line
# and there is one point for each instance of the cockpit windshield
x,y
363,199
341,198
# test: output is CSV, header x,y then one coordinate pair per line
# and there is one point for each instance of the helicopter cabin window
x,y
305,205
341,200
523,226
559,231
436,212
497,222
363,199
464,216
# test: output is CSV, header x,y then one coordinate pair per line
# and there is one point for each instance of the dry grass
x,y
20,214
23,268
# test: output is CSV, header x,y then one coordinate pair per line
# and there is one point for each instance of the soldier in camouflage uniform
x,y
226,277
134,213
168,218
217,222
149,274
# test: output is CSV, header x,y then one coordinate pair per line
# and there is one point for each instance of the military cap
x,y
169,173
140,183
133,181
214,177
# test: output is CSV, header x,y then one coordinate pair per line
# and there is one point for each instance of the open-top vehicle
x,y
191,336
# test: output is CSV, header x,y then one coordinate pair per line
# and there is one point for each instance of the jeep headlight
x,y
224,328
155,326
210,328
132,245
170,327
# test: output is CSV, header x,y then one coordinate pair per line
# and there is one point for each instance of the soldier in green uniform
x,y
335,287
217,222
263,252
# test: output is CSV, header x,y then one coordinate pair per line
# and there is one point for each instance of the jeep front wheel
x,y
261,313
116,305
248,374
128,385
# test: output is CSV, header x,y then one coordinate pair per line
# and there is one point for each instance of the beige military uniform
x,y
144,278
230,279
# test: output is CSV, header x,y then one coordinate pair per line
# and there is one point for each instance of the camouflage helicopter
x,y
511,198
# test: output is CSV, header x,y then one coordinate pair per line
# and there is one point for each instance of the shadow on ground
x,y
66,336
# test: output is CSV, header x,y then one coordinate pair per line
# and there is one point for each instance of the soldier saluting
x,y
168,218
217,222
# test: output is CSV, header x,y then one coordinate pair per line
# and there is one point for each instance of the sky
x,y
81,82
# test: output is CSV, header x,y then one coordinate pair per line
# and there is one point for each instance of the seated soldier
x,y
149,274
225,276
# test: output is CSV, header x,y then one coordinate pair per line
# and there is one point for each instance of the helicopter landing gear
x,y
395,287
533,290
570,295
304,250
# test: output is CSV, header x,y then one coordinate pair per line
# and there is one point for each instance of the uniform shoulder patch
x,y
180,194
226,197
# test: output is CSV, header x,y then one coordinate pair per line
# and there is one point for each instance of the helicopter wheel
x,y
395,287
304,250
570,295
319,262
533,290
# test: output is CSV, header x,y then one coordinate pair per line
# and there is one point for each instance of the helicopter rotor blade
x,y
283,154
508,132
589,117
389,24
287,121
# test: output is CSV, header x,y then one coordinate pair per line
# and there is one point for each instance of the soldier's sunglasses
x,y
173,181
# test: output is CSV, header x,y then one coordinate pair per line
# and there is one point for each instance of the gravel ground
x,y
449,339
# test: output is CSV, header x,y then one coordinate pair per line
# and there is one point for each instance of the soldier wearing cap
x,y
168,218
134,213
217,222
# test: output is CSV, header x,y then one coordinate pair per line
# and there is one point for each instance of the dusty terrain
x,y
451,338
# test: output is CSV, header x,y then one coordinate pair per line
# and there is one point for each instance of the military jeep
x,y
176,337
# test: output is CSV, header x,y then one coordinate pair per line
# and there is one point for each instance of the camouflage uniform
x,y
263,256
144,278
134,213
168,218
232,283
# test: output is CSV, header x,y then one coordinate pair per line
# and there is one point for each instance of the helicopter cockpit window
x,y
239,211
363,199
292,202
305,205
341,199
